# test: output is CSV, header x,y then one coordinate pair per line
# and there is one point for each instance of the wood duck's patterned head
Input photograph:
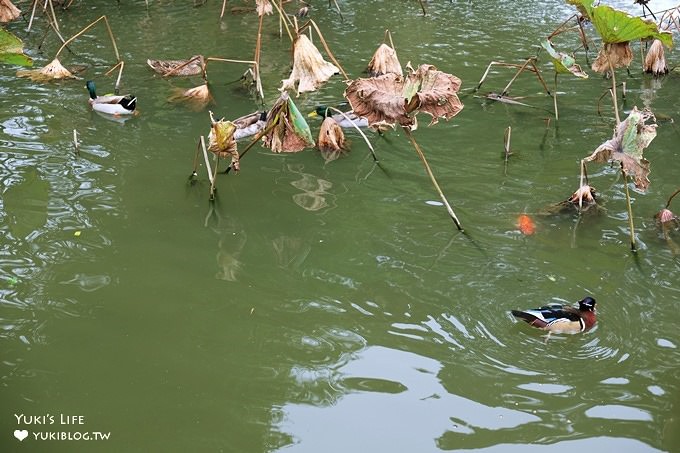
x,y
587,304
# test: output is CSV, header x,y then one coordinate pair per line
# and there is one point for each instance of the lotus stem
x,y
194,171
258,45
284,19
120,74
328,50
614,97
30,21
506,147
338,8
56,24
388,35
214,177
668,204
224,6
208,167
433,179
375,158
113,40
631,226
256,139
256,70
557,115
75,142
422,6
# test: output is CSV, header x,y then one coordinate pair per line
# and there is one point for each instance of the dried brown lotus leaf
x,y
310,70
655,60
196,98
384,61
619,54
221,141
437,93
263,7
8,12
331,136
52,71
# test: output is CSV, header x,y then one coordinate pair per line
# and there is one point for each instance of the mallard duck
x,y
112,105
190,67
342,120
250,124
560,318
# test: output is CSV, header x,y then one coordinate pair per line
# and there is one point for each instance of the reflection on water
x,y
376,386
330,306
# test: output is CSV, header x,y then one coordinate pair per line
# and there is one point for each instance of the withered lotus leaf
x,y
309,68
331,137
196,98
655,61
393,100
221,141
8,12
52,71
380,100
436,93
619,54
263,7
384,61
631,137
288,129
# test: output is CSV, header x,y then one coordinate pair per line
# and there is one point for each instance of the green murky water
x,y
327,306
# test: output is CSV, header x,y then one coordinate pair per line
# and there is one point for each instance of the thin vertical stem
x,y
614,96
433,179
557,115
631,226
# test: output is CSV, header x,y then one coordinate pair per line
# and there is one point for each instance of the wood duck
x,y
561,319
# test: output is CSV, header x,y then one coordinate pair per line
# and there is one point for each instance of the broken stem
x,y
668,204
433,179
506,147
75,142
113,40
631,226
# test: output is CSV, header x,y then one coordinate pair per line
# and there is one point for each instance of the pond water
x,y
329,306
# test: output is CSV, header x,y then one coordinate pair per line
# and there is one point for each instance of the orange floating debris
x,y
526,225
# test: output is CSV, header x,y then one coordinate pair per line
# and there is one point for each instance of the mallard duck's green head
x,y
90,87
320,110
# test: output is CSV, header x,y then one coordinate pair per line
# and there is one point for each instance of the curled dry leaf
x,y
288,129
263,7
196,98
665,216
221,141
309,68
380,100
331,141
384,61
631,137
435,92
584,196
655,61
393,100
619,54
8,12
189,67
52,71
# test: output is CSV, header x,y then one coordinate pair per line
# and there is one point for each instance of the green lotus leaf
x,y
564,64
616,26
12,50
299,123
